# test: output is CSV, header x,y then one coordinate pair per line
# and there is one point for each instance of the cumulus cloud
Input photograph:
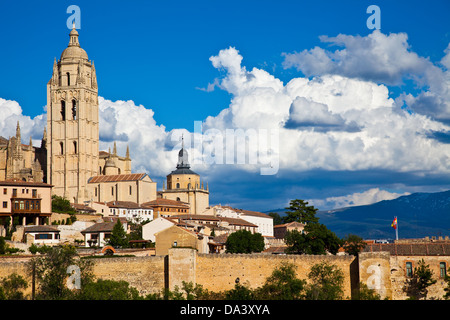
x,y
11,112
356,199
380,58
384,136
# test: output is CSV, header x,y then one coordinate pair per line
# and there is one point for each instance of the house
x,y
263,221
41,235
280,230
99,233
132,211
166,207
134,187
176,236
30,202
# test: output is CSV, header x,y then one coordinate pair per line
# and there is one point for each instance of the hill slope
x,y
419,215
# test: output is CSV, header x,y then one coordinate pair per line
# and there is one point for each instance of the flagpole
x,y
396,229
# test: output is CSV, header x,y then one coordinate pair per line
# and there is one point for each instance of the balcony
x,y
25,205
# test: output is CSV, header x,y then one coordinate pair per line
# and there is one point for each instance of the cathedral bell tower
x,y
72,123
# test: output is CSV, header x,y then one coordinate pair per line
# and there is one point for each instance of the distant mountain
x,y
418,214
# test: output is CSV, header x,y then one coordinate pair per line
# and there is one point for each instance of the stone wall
x,y
381,271
219,272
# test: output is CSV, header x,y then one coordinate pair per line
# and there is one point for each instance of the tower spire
x,y
18,130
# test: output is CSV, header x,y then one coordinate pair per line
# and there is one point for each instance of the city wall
x,y
152,274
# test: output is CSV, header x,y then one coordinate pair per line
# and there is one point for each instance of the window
x,y
409,270
95,190
68,78
14,192
5,204
34,193
178,186
442,269
112,191
130,190
43,236
74,110
5,190
75,147
63,110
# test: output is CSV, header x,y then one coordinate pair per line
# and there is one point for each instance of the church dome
x,y
74,51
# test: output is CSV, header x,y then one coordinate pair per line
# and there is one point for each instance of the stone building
x,y
22,161
69,158
185,185
30,202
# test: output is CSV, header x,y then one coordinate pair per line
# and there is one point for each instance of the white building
x,y
159,224
41,235
262,220
132,211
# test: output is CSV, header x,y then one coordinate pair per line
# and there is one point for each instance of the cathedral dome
x,y
74,51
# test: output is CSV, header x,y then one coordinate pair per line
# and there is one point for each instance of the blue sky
x,y
156,54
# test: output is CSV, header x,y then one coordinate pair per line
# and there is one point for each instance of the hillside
x,y
419,215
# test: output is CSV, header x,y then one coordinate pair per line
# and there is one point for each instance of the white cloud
x,y
376,57
381,58
11,112
383,137
356,199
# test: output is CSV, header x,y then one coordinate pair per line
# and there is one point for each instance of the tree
x,y
353,244
243,241
277,219
108,290
299,211
118,236
316,239
51,272
447,280
11,287
364,293
326,282
282,284
417,286
62,205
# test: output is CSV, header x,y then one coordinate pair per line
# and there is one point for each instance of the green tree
x,y
11,287
243,241
277,219
447,289
416,287
240,292
118,236
62,205
353,244
108,290
282,284
316,239
299,211
3,246
326,282
364,293
51,272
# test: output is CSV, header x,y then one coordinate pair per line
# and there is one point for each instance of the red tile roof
x,y
117,177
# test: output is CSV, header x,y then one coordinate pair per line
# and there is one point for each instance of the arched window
x,y
63,110
75,147
68,78
178,186
61,145
178,198
74,110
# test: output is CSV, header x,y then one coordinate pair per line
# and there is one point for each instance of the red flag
x,y
394,223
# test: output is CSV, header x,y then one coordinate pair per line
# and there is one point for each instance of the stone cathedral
x,y
69,156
